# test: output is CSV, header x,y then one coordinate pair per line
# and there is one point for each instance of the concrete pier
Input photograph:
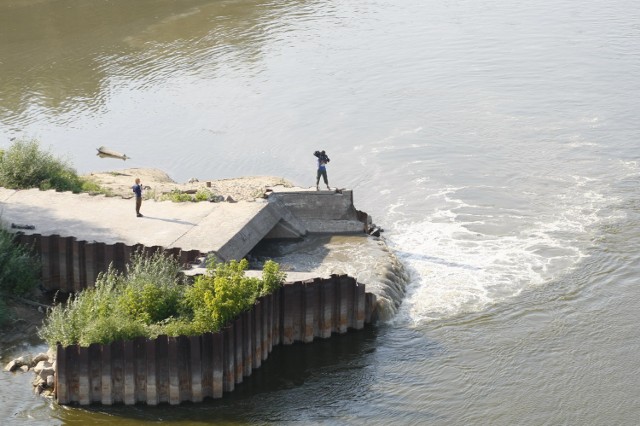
x,y
227,230
78,236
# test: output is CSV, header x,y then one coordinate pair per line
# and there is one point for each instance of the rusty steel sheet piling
x,y
172,370
238,326
70,265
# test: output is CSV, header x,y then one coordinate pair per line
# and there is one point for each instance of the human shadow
x,y
178,221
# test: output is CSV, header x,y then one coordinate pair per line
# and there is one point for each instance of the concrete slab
x,y
228,230
6,193
200,226
320,212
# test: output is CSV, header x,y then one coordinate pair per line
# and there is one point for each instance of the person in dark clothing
x,y
323,159
137,189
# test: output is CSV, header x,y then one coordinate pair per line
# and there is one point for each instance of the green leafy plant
x,y
118,307
203,195
153,288
150,299
272,277
177,196
91,316
25,165
221,294
19,267
93,187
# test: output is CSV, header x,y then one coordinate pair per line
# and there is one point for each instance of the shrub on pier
x,y
153,288
150,299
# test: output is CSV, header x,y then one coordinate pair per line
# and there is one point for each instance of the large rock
x,y
44,369
40,357
18,363
12,366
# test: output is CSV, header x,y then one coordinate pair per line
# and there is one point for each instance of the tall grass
x,y
151,298
25,165
152,288
178,196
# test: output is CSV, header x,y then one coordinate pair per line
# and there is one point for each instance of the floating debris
x,y
104,152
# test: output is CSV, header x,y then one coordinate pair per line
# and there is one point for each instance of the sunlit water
x,y
495,141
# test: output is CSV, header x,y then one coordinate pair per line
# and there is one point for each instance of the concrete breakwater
x,y
79,236
178,369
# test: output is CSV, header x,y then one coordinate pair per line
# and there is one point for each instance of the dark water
x,y
496,142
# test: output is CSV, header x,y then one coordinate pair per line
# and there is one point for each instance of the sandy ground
x,y
156,183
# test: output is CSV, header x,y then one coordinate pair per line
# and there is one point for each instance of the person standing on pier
x,y
137,190
323,159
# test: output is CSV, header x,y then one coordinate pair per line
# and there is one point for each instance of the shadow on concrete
x,y
42,218
178,221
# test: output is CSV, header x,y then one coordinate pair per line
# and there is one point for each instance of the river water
x,y
495,141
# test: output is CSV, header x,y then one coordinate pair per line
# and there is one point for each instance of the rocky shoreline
x,y
157,183
43,365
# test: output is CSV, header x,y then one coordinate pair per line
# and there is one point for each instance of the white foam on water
x,y
464,258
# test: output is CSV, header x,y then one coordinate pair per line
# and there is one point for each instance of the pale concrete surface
x,y
321,212
200,226
228,230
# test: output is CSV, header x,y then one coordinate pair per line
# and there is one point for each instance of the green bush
x,y
19,268
203,195
92,187
120,306
272,277
151,299
91,316
25,165
153,288
220,295
177,196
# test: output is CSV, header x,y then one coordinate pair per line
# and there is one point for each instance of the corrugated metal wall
x,y
177,369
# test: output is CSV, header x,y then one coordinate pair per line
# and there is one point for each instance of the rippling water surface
x,y
495,141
